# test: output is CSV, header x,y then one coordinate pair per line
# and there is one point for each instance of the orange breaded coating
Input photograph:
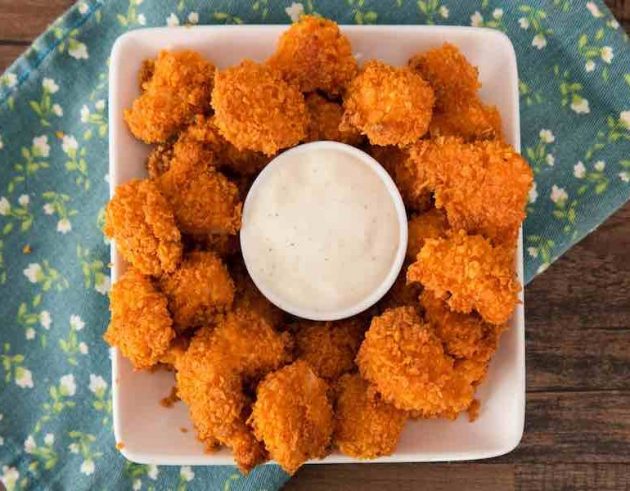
x,y
482,186
198,290
140,325
474,121
250,299
223,245
464,336
324,118
458,109
210,380
406,363
179,88
141,222
392,106
366,427
329,347
145,73
429,225
175,352
454,80
406,174
256,110
203,201
475,275
313,54
159,160
293,416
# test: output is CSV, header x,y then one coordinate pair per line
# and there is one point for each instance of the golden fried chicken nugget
x,y
454,80
429,225
159,160
175,351
392,106
198,290
475,274
140,326
141,222
210,380
329,347
474,121
249,298
204,201
406,363
465,336
256,110
406,174
313,54
366,427
482,186
179,87
292,416
324,118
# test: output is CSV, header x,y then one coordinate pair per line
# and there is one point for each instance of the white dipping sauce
x,y
321,231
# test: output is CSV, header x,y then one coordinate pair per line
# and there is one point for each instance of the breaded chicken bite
x,y
454,80
406,174
401,294
429,225
159,160
473,274
256,110
465,336
405,362
482,186
175,352
292,416
329,347
324,118
179,87
250,299
392,106
141,222
210,380
313,54
198,290
204,201
458,109
140,325
366,427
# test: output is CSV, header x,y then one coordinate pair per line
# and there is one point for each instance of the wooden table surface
x,y
577,430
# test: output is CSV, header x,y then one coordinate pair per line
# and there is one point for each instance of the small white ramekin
x,y
377,293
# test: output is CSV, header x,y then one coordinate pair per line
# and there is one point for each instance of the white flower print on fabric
x,y
532,251
606,54
83,348
29,444
137,484
78,51
67,385
497,13
172,20
624,176
295,11
49,439
64,226
600,165
443,11
547,136
10,477
539,41
45,319
97,384
10,79
153,472
48,209
1,143
102,284
550,159
579,170
85,114
30,333
580,106
69,143
524,23
57,110
50,86
558,195
24,200
476,19
193,18
100,104
73,447
23,378
83,8
624,117
533,194
613,24
589,66
87,467
187,473
594,9
5,206
40,146
33,272
142,20
76,322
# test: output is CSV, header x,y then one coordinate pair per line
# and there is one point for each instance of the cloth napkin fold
x,y
55,397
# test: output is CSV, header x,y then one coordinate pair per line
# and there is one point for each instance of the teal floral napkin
x,y
55,397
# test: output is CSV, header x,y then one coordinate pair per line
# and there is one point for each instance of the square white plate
x,y
152,434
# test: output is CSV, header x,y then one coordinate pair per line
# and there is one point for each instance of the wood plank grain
x,y
576,477
404,477
27,19
575,427
8,53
